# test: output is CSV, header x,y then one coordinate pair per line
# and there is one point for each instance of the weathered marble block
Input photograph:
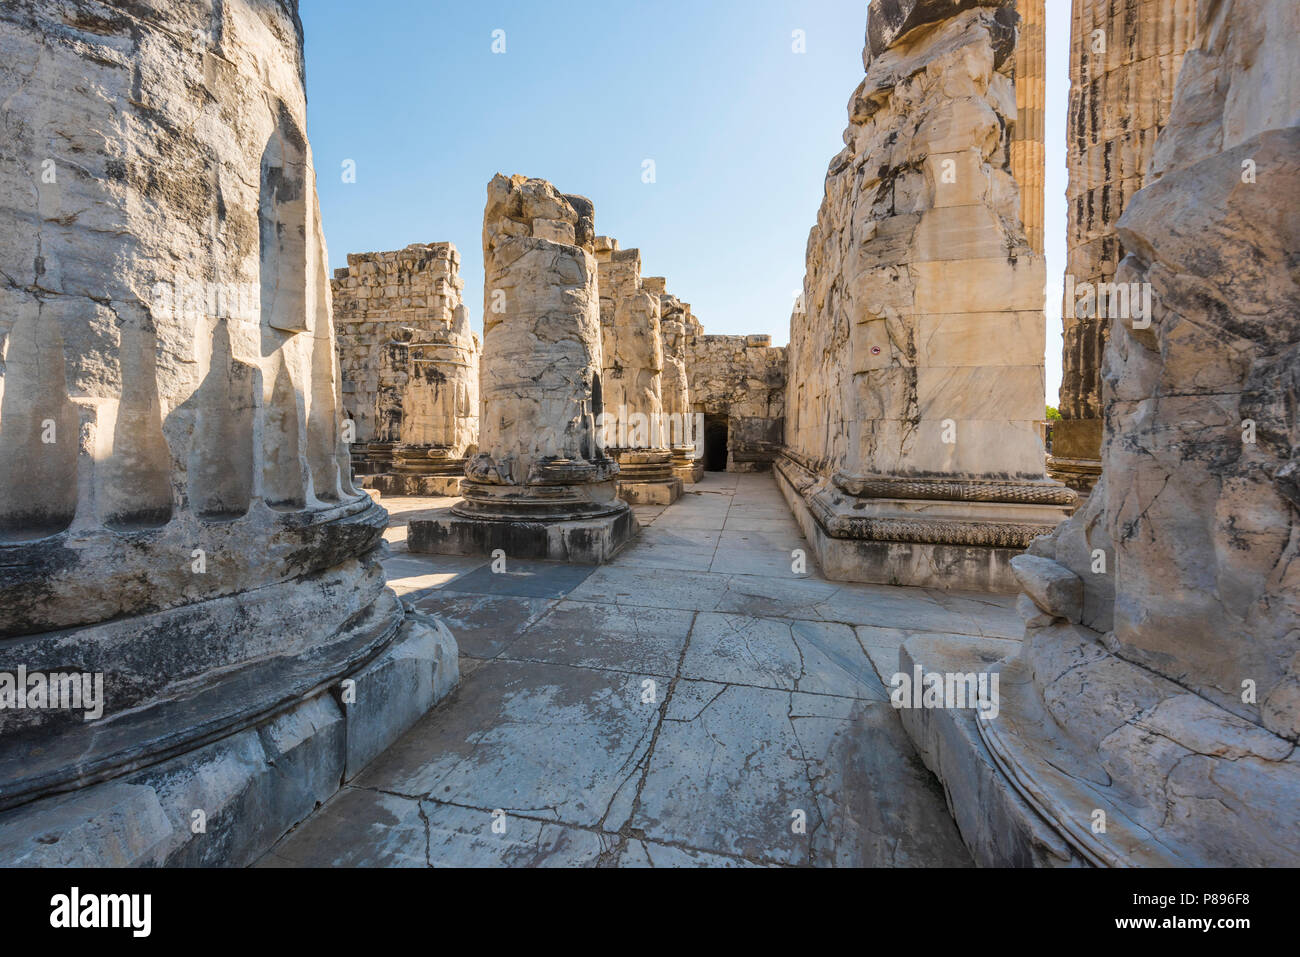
x,y
411,359
686,446
914,450
632,376
177,517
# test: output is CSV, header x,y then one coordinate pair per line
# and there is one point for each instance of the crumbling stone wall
x,y
408,355
741,378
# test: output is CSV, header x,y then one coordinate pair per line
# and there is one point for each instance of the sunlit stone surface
x,y
176,513
914,451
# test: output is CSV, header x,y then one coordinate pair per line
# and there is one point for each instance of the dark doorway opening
x,y
715,443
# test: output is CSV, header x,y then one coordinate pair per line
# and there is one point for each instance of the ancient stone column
x,y
541,485
1158,685
410,367
187,575
632,375
914,454
683,441
1029,144
1124,58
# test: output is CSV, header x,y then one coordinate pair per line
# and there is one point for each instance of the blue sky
x,y
740,129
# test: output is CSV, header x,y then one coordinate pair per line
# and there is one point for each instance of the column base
x,y
252,786
583,524
420,471
951,535
646,476
686,466
998,826
1076,453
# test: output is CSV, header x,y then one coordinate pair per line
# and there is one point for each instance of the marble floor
x,y
706,699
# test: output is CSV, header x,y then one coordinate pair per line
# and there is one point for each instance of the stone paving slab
x,y
641,641
674,708
485,625
541,740
727,775
811,656
524,579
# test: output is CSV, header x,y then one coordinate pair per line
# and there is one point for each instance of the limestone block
x,y
393,692
1053,588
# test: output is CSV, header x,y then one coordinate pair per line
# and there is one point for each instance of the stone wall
x,y
176,511
1124,59
394,310
740,380
410,367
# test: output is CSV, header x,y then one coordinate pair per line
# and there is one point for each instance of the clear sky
x,y
739,126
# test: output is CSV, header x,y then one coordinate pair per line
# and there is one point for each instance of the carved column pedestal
x,y
647,477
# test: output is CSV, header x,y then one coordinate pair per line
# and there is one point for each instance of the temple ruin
x,y
632,378
410,368
685,445
682,599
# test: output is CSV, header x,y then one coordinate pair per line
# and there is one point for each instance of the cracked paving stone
x,y
882,807
770,697
524,579
548,741
356,828
484,625
649,854
624,585
727,774
646,641
811,656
